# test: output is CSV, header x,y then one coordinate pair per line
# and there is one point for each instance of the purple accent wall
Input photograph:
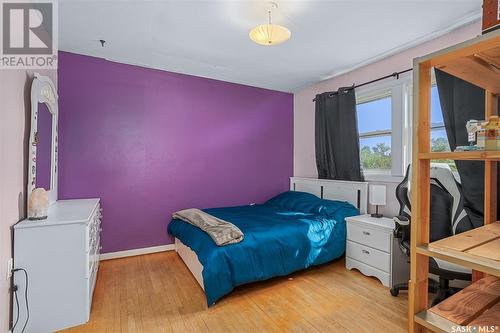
x,y
151,142
44,147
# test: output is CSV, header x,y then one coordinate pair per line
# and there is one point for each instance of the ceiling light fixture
x,y
270,34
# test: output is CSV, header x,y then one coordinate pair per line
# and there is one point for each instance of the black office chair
x,y
447,217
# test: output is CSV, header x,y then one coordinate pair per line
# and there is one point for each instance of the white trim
x,y
397,121
137,252
382,89
382,178
374,134
469,19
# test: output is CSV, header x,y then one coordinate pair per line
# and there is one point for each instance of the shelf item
x,y
480,155
471,302
491,21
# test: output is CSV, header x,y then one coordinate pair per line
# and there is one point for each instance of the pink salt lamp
x,y
38,204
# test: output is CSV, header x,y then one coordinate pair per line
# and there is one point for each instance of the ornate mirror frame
x,y
43,91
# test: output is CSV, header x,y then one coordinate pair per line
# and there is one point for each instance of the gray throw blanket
x,y
222,232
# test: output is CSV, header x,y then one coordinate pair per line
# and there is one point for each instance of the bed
x,y
290,232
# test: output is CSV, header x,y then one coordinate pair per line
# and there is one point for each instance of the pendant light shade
x,y
270,34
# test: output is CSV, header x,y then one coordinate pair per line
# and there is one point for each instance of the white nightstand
x,y
370,246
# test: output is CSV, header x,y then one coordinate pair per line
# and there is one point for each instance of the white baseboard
x,y
137,252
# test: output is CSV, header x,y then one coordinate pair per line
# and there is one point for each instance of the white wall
x,y
14,133
304,151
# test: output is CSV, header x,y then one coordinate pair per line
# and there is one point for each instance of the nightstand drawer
x,y
374,238
378,259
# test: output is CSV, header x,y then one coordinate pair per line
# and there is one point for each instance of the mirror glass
x,y
43,147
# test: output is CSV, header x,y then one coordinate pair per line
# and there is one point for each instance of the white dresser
x,y
61,257
370,246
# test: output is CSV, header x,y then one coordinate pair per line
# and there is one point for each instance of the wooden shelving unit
x,y
476,61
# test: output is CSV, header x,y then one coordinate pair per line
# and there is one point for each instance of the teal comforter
x,y
288,233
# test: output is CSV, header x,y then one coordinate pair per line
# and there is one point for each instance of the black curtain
x,y
336,136
462,101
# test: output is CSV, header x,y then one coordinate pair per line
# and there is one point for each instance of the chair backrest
x,y
447,213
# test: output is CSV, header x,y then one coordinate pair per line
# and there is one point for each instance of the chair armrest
x,y
401,220
402,231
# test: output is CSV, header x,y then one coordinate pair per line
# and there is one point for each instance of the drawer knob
x,y
366,233
365,252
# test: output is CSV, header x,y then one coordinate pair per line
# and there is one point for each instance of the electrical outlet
x,y
10,267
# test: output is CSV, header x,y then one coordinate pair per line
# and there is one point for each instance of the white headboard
x,y
355,193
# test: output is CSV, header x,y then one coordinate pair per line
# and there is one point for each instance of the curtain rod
x,y
395,74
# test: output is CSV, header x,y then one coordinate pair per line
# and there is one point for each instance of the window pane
x,y
436,114
439,140
374,115
375,152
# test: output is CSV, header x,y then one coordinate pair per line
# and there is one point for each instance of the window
x,y
375,141
382,110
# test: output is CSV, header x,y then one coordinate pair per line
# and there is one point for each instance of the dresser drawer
x,y
367,255
369,236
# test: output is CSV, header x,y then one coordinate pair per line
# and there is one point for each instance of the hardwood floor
x,y
157,293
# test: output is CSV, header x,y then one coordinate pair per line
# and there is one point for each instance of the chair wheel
x,y
394,292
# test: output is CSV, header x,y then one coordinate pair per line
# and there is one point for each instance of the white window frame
x,y
400,91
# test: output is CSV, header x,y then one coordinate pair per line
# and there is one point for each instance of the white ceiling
x,y
210,38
